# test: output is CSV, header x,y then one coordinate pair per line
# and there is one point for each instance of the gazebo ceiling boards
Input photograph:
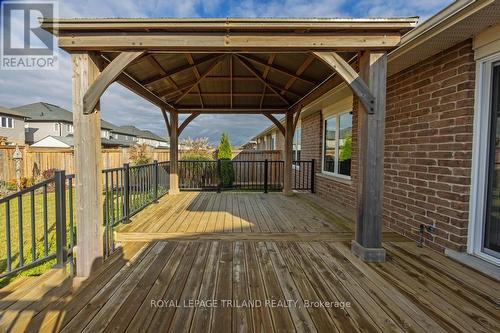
x,y
207,82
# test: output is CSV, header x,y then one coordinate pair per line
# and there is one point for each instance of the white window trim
x,y
57,127
337,140
480,150
7,118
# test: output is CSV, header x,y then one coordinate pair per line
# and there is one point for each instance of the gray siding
x,y
14,135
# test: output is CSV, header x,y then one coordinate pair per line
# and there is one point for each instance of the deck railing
x,y
39,225
128,190
39,220
263,175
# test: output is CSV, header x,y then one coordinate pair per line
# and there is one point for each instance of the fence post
x,y
219,176
126,193
313,173
155,184
60,196
266,180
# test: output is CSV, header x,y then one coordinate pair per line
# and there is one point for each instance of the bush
x,y
197,156
140,154
224,154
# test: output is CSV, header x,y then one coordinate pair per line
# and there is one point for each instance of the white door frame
x,y
480,152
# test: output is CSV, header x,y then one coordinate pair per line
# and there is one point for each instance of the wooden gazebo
x,y
229,66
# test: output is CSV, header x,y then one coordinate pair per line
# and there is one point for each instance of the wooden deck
x,y
212,283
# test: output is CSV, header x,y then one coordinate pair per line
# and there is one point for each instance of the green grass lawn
x,y
135,200
27,234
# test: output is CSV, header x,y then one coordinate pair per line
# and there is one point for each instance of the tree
x,y
225,154
140,154
198,149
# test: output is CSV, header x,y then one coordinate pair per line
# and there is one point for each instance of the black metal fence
x,y
37,220
263,175
128,190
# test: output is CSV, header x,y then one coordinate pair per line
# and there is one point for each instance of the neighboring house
x,y
124,134
145,137
442,161
12,126
46,119
68,142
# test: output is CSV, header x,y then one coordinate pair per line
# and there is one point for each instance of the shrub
x,y
140,154
224,154
49,173
197,156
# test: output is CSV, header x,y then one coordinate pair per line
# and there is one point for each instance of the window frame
x,y
480,158
7,120
335,172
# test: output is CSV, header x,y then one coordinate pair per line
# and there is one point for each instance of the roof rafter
x,y
277,68
179,69
299,72
210,68
264,81
196,72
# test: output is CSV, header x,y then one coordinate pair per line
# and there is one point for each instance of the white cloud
x,y
123,107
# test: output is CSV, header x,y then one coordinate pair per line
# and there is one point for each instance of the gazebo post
x,y
368,242
174,153
288,153
88,166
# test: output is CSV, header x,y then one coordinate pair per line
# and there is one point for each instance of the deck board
x,y
254,247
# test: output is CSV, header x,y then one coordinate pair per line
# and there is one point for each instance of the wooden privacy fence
x,y
37,160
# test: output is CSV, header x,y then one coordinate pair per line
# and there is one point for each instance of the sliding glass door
x,y
491,230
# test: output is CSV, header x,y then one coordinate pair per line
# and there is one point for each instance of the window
x,y
104,134
69,128
273,142
7,122
56,127
337,144
297,144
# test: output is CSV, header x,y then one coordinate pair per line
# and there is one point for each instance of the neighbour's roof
x,y
70,141
141,133
42,111
11,112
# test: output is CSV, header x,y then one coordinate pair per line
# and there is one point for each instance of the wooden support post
x,y
287,180
174,153
88,165
368,242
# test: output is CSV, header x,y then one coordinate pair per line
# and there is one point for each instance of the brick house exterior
x,y
428,147
439,152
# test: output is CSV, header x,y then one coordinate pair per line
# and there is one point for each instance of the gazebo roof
x,y
243,65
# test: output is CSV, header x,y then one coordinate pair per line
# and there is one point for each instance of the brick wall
x,y
340,192
428,147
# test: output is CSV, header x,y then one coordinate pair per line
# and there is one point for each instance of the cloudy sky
x,y
122,107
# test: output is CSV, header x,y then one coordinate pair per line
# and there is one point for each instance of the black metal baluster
x,y
33,231
45,222
7,235
20,230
